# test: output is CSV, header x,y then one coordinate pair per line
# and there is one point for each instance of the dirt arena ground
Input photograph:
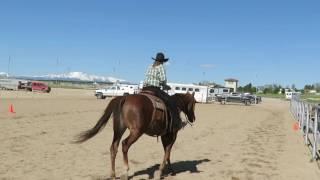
x,y
232,142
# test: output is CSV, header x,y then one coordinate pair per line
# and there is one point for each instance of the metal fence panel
x,y
308,117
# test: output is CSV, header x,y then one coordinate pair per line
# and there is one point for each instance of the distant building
x,y
312,91
232,84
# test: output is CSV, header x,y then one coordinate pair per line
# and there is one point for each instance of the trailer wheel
x,y
100,96
247,102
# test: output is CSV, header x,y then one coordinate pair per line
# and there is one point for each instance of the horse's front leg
x,y
167,141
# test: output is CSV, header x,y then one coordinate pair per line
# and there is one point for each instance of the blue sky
x,y
258,41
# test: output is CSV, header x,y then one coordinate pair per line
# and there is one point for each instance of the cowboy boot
x,y
176,122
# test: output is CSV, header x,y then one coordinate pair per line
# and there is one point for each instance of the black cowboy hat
x,y
160,57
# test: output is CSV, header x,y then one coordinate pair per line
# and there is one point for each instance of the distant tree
x,y
308,87
267,91
276,90
206,83
317,87
247,88
272,89
240,89
254,90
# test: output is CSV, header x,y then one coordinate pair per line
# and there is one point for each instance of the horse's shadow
x,y
178,167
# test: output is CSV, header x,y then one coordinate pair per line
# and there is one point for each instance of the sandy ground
x,y
232,142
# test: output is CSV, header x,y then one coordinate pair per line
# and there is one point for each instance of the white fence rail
x,y
308,117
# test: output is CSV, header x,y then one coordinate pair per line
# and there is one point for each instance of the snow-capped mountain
x,y
82,77
3,74
71,76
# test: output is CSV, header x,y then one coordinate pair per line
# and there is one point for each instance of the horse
x,y
136,113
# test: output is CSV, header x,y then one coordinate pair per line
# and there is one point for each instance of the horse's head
x,y
186,103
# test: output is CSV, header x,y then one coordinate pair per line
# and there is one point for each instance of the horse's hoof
x,y
113,176
173,173
157,175
124,176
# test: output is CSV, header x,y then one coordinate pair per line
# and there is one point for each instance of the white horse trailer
x,y
10,84
289,95
202,93
220,90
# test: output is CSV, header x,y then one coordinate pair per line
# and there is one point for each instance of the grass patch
x,y
277,96
312,98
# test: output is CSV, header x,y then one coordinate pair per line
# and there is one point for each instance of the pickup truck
x,y
254,98
34,86
116,90
234,97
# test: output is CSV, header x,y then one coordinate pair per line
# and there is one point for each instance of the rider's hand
x,y
166,87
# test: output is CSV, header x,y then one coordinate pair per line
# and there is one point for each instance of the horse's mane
x,y
183,100
182,96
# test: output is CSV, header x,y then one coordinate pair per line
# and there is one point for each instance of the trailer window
x,y
177,88
190,89
225,90
197,90
211,90
184,89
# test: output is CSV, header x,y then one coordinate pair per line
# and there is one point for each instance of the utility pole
x,y
57,63
9,62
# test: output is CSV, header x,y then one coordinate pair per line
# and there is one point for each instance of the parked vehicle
x,y
233,97
9,84
34,86
116,90
289,95
254,98
220,90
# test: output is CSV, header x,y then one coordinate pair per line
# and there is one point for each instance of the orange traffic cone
x,y
11,109
296,126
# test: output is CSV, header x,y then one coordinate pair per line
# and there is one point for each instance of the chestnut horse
x,y
135,112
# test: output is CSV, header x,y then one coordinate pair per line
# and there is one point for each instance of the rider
x,y
156,81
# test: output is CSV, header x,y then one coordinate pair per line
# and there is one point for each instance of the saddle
x,y
159,109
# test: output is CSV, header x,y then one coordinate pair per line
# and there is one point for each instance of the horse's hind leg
x,y
117,134
133,137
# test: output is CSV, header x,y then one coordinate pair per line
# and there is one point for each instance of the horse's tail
x,y
111,109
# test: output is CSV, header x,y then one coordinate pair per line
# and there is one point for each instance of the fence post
x,y
315,130
303,116
291,105
307,124
300,114
297,110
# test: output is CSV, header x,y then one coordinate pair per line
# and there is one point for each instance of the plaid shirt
x,y
155,76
